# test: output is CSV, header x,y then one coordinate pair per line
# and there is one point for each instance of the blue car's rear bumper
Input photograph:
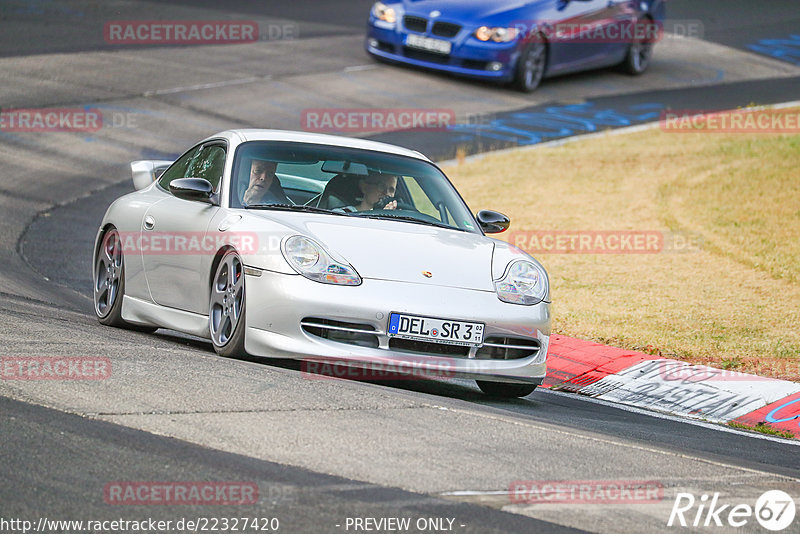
x,y
468,57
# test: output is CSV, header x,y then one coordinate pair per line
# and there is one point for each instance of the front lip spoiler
x,y
410,372
394,370
461,71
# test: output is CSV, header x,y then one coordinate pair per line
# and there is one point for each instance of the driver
x,y
264,187
374,190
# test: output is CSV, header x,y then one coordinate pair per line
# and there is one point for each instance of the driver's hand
x,y
391,205
253,193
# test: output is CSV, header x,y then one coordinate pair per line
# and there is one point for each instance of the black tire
x,y
640,53
531,66
505,390
108,281
226,310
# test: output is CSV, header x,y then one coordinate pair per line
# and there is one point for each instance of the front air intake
x,y
362,335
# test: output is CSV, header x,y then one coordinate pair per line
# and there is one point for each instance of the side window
x,y
208,164
178,169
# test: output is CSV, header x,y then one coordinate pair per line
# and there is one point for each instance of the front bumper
x,y
469,57
278,303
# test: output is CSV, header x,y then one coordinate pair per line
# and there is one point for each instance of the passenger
x,y
375,188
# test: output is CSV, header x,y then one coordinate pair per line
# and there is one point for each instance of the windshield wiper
x,y
292,207
405,218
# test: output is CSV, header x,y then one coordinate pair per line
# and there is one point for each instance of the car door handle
x,y
149,222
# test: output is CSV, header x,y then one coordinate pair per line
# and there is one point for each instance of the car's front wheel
x,y
226,314
531,66
109,282
505,390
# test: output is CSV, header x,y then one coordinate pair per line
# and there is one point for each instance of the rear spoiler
x,y
146,172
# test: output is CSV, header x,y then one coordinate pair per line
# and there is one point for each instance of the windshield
x,y
345,181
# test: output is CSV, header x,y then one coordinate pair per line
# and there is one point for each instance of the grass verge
x,y
763,428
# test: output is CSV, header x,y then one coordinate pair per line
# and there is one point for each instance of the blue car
x,y
517,42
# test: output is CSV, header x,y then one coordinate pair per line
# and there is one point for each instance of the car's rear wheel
x,y
531,66
640,51
109,283
226,314
505,390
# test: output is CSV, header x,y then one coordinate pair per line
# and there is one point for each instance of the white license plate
x,y
436,330
428,43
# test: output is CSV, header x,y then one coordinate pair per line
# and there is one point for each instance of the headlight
x,y
498,35
383,12
524,283
308,258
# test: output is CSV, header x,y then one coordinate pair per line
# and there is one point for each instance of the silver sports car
x,y
326,249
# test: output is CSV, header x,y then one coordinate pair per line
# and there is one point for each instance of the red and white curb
x,y
670,386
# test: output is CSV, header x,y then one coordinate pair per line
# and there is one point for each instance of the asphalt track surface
x,y
287,494
319,450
